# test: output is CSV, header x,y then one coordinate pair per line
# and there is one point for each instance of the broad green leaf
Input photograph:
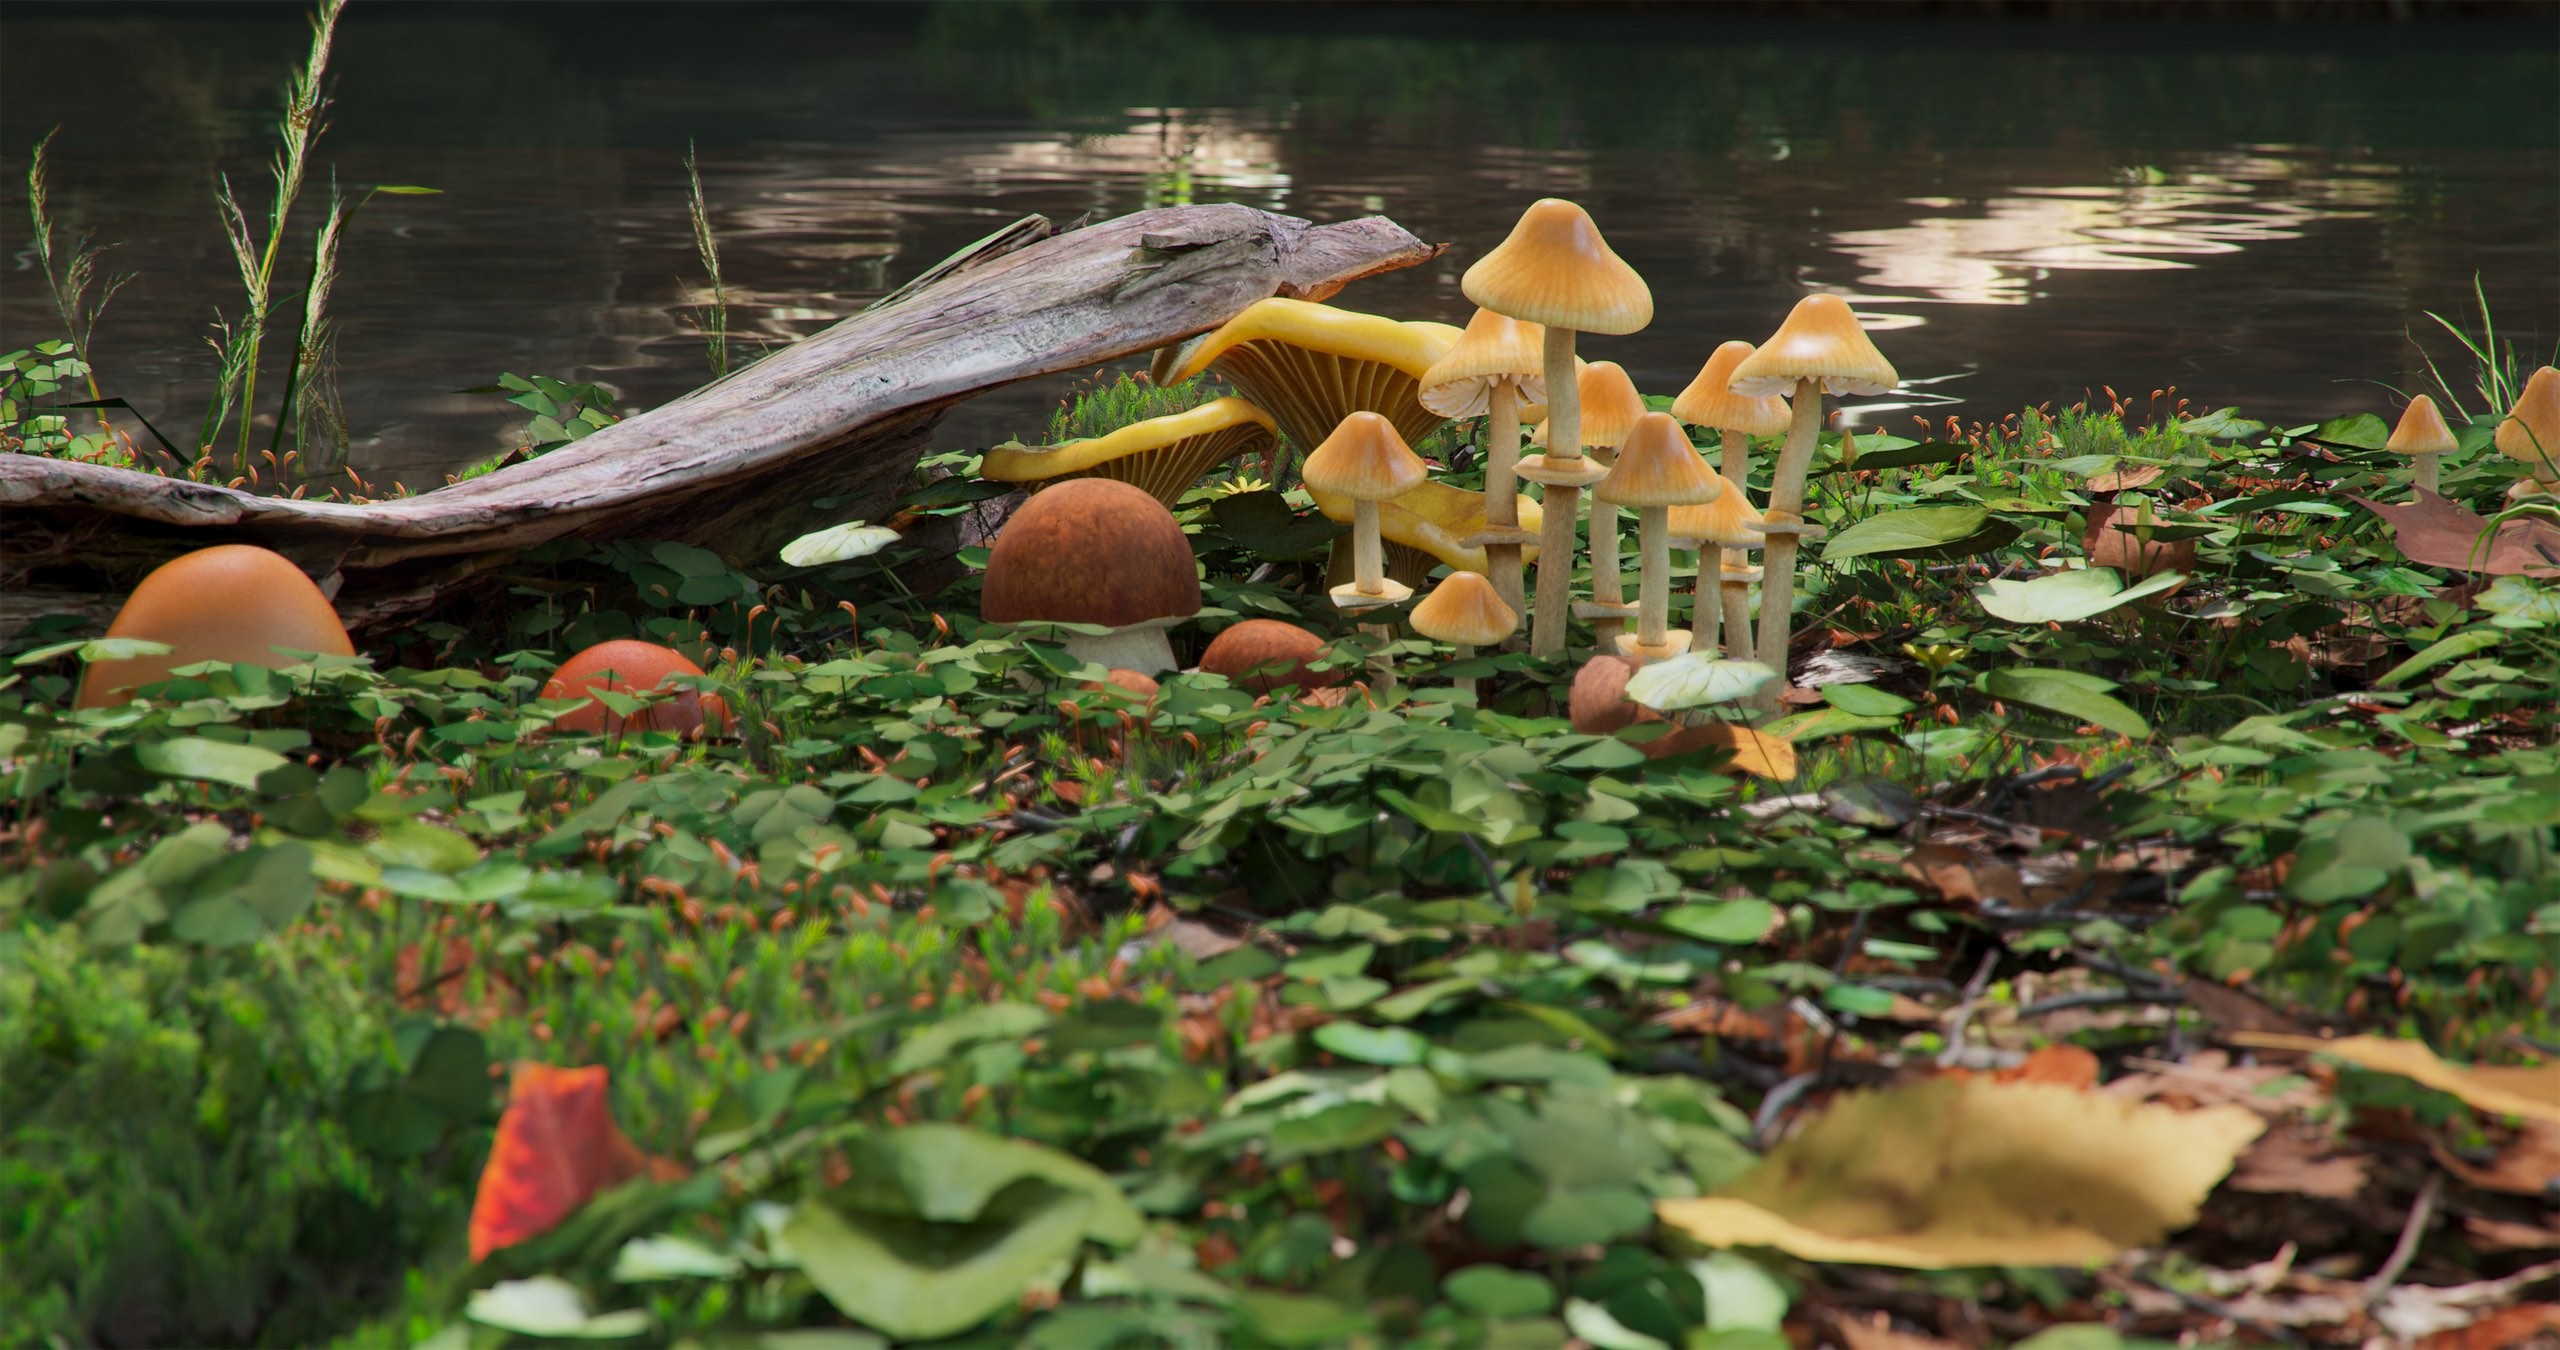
x,y
1697,680
1911,530
1372,1045
547,1305
952,1174
2519,603
2066,597
1499,1291
669,1257
917,1280
2067,692
1866,700
2364,431
207,760
839,543
1724,921
2452,648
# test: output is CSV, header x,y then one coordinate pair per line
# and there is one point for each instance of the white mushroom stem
x,y
2426,471
1778,556
1143,648
1563,503
1704,593
1653,583
1464,684
1737,619
1608,583
1368,551
1502,491
1736,599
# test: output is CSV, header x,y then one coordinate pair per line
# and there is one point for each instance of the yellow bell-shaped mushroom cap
x,y
1727,522
1611,407
1820,340
1463,609
1311,365
1658,467
1493,348
1556,270
1709,401
1434,517
2530,432
1364,459
2422,430
1163,455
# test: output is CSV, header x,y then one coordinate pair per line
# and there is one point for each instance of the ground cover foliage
x,y
952,999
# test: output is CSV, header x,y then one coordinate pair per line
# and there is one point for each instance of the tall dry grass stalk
x,y
715,316
70,283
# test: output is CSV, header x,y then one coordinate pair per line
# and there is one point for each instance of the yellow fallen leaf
x,y
1964,1172
2507,1090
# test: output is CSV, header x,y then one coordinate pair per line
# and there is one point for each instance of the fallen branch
x,y
733,466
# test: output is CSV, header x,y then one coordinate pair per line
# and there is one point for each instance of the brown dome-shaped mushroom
x,y
2530,432
1264,654
232,602
621,666
1465,612
1097,551
1599,705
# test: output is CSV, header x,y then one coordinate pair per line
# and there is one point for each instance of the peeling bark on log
x,y
731,467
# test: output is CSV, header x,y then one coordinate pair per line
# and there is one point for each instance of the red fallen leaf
x,y
2438,533
557,1147
2500,1330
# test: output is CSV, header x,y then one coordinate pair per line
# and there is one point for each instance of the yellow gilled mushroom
x,y
1657,469
1163,456
2530,432
1610,409
1312,365
1464,612
1434,523
1492,369
2423,436
1819,348
1364,459
1729,524
1555,270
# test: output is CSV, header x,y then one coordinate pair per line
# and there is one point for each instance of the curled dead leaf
x,y
2508,1090
2291,1160
1961,1172
2437,533
557,1147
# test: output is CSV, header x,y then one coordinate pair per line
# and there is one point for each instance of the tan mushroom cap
x,y
1820,340
2422,430
1658,467
1611,407
1163,455
1090,550
1493,348
1556,270
1364,459
1463,609
1709,401
1727,522
2530,432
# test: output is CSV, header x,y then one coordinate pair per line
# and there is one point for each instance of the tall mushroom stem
x,y
1563,503
1368,552
1735,600
1502,492
1653,583
2425,478
1464,684
1778,560
1608,582
1705,591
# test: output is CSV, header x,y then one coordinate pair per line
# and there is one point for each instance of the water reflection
x,y
2150,223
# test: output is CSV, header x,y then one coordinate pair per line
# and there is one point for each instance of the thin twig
x,y
1964,1008
2099,998
2411,1234
1776,1102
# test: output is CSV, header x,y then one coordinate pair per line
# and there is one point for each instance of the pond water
x,y
2257,215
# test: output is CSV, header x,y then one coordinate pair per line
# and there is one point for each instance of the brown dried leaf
x,y
2502,1235
2505,1329
1874,1331
2438,533
1962,875
2293,1161
2058,1065
2125,480
2529,1164
2532,1092
1962,1172
2208,1078
2232,1010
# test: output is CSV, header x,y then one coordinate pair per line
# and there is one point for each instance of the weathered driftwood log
x,y
732,466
